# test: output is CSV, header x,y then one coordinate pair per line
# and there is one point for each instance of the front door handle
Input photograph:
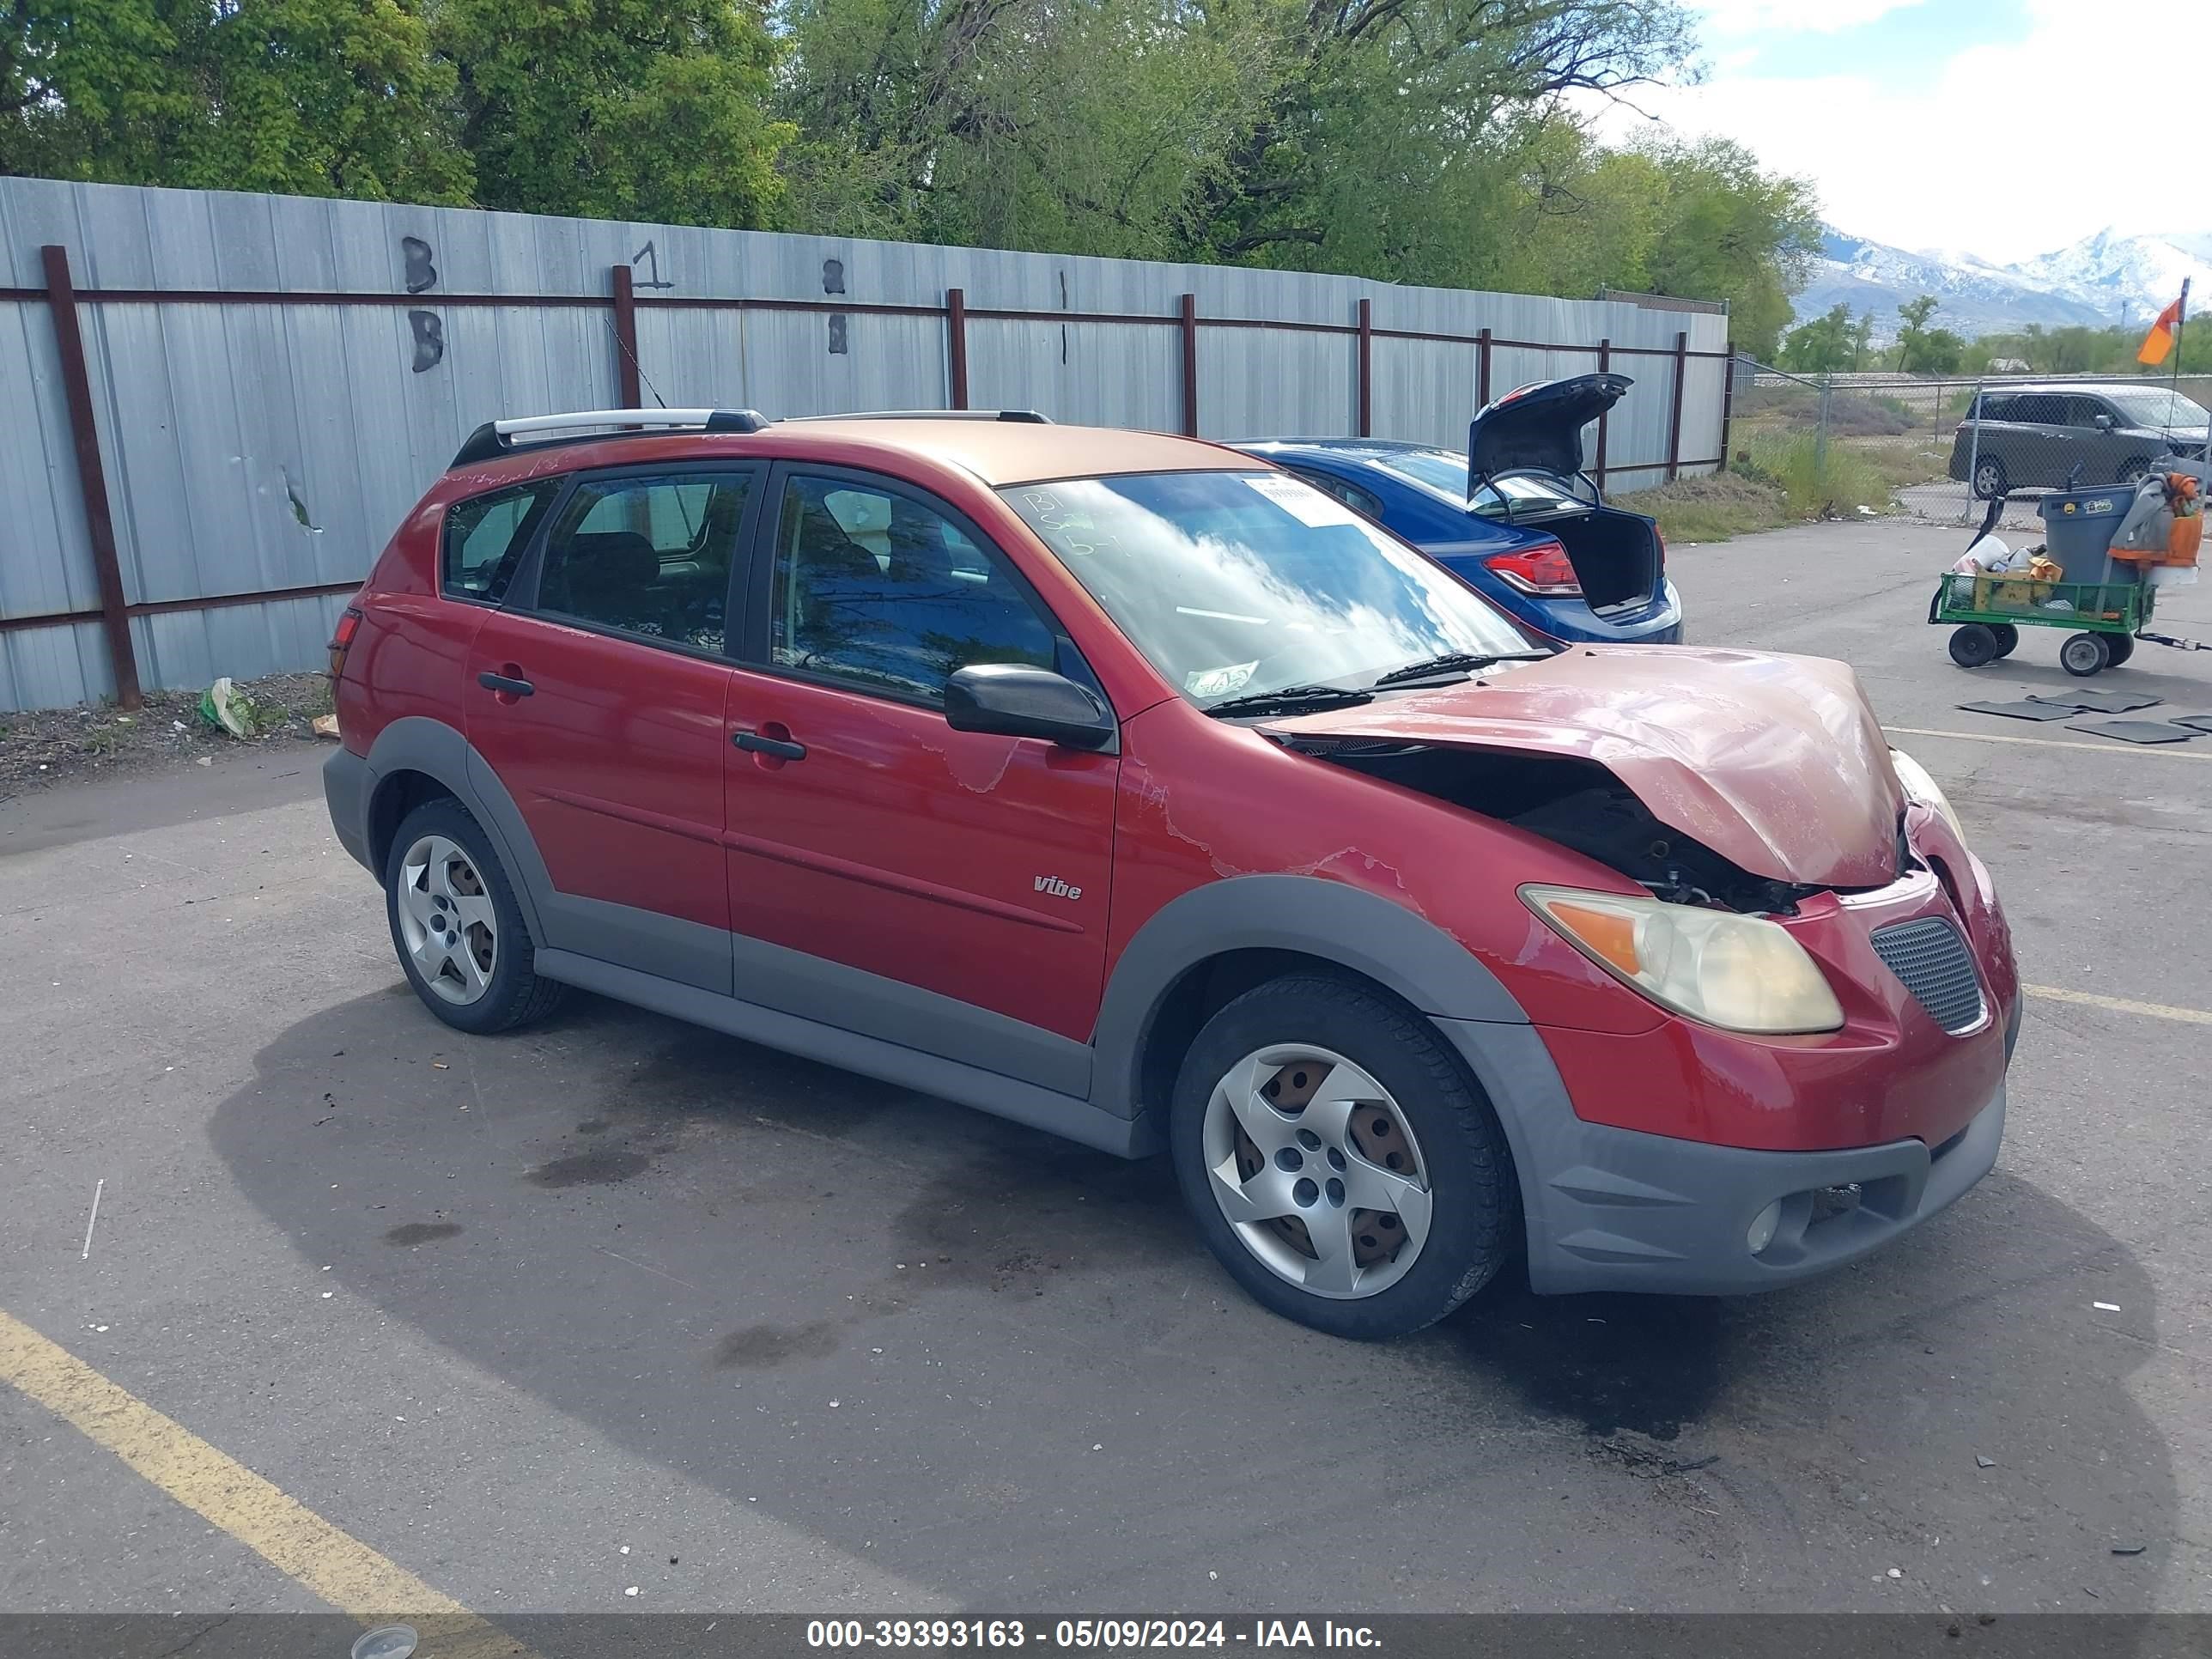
x,y
753,744
504,683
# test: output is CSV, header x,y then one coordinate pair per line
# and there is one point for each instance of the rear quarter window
x,y
485,539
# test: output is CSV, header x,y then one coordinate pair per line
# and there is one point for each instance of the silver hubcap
x,y
447,921
1987,480
1317,1169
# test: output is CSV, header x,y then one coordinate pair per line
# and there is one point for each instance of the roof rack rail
x,y
1027,416
495,438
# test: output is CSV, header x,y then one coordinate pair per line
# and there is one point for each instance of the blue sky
x,y
2001,128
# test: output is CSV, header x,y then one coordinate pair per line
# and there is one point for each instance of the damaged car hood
x,y
1774,762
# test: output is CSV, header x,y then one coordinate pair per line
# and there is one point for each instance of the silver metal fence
x,y
216,407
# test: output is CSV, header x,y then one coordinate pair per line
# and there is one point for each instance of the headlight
x,y
1920,788
1740,973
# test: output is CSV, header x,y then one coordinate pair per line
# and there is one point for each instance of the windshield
x,y
1443,473
2160,409
1234,584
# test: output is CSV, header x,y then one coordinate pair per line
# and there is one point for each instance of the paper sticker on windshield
x,y
1301,500
1219,682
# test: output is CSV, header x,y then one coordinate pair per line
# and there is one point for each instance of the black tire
x,y
2084,654
514,995
1972,645
1990,483
2118,648
1462,1150
2007,636
2134,470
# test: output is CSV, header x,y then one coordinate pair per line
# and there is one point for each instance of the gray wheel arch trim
x,y
1363,932
417,744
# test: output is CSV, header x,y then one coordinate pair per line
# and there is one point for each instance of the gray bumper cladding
x,y
1631,1212
346,784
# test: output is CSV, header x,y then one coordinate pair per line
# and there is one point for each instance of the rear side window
x,y
648,556
484,539
1358,500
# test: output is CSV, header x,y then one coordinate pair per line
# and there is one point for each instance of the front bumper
x,y
1625,1211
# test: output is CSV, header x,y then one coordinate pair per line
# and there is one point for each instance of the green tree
x,y
1862,338
306,97
1822,346
646,109
1913,331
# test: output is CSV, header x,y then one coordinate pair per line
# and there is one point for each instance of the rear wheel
x,y
1972,645
2118,648
2007,636
1338,1161
459,931
2084,654
2134,469
1990,480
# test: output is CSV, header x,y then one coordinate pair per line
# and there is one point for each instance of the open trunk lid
x,y
1774,762
1539,427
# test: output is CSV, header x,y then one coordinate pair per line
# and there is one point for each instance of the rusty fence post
x,y
1604,362
1728,401
630,394
955,342
1482,369
1367,368
92,476
1674,420
1190,365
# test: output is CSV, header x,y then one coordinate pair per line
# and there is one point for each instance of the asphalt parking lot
x,y
615,1314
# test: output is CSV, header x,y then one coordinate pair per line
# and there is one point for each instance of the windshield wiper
x,y
1292,699
1456,662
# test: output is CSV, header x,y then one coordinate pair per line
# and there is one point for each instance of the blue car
x,y
1533,535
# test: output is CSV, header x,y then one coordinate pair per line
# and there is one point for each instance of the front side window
x,y
2149,408
647,555
484,537
1237,584
874,588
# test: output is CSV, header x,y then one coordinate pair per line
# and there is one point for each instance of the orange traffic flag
x,y
2160,341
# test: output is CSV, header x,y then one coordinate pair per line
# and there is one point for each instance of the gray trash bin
x,y
2078,526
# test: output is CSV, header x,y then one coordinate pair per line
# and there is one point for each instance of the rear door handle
x,y
514,688
753,744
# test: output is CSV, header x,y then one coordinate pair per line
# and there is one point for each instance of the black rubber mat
x,y
2104,702
2021,711
2137,731
2194,722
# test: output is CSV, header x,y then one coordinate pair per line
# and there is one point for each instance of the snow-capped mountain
x,y
1976,297
2137,274
2099,281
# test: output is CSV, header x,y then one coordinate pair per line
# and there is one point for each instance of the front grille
x,y
1937,967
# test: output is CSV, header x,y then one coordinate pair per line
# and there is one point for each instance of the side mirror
x,y
1016,701
2102,422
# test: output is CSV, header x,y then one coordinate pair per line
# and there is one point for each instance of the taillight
x,y
348,625
1544,570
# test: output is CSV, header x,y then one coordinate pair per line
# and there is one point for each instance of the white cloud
x,y
2005,155
1795,16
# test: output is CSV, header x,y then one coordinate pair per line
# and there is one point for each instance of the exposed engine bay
x,y
1577,804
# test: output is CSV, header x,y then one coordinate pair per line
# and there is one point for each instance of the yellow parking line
x,y
2161,750
2120,1005
292,1537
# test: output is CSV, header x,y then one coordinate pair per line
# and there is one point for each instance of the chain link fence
x,y
1939,449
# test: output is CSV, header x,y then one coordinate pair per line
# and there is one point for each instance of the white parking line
x,y
2161,750
2120,1005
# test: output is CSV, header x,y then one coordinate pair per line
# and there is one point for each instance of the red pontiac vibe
x,y
1131,788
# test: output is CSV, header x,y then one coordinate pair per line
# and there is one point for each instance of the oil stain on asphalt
x,y
421,1232
758,1346
602,1166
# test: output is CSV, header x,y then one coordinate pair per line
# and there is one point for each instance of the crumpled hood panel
x,y
1775,762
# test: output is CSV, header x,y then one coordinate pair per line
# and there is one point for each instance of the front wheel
x,y
2118,648
2084,654
1972,645
2007,636
1990,484
1338,1161
2134,469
